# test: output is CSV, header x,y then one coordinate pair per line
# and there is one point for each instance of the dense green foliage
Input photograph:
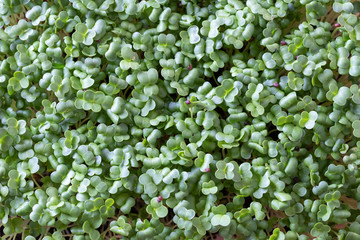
x,y
185,119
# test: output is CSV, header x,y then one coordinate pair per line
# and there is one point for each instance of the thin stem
x,y
22,233
334,32
126,90
85,119
215,78
103,67
211,236
60,4
267,215
169,222
122,95
282,228
106,231
44,25
47,230
247,47
36,183
273,130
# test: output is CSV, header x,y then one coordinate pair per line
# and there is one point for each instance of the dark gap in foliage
x,y
140,54
286,228
128,91
224,152
227,196
163,140
213,236
201,4
273,133
222,29
296,180
273,228
52,230
173,96
38,179
137,208
313,25
211,81
217,75
104,67
222,114
219,72
354,215
168,220
104,226
248,201
117,210
171,213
